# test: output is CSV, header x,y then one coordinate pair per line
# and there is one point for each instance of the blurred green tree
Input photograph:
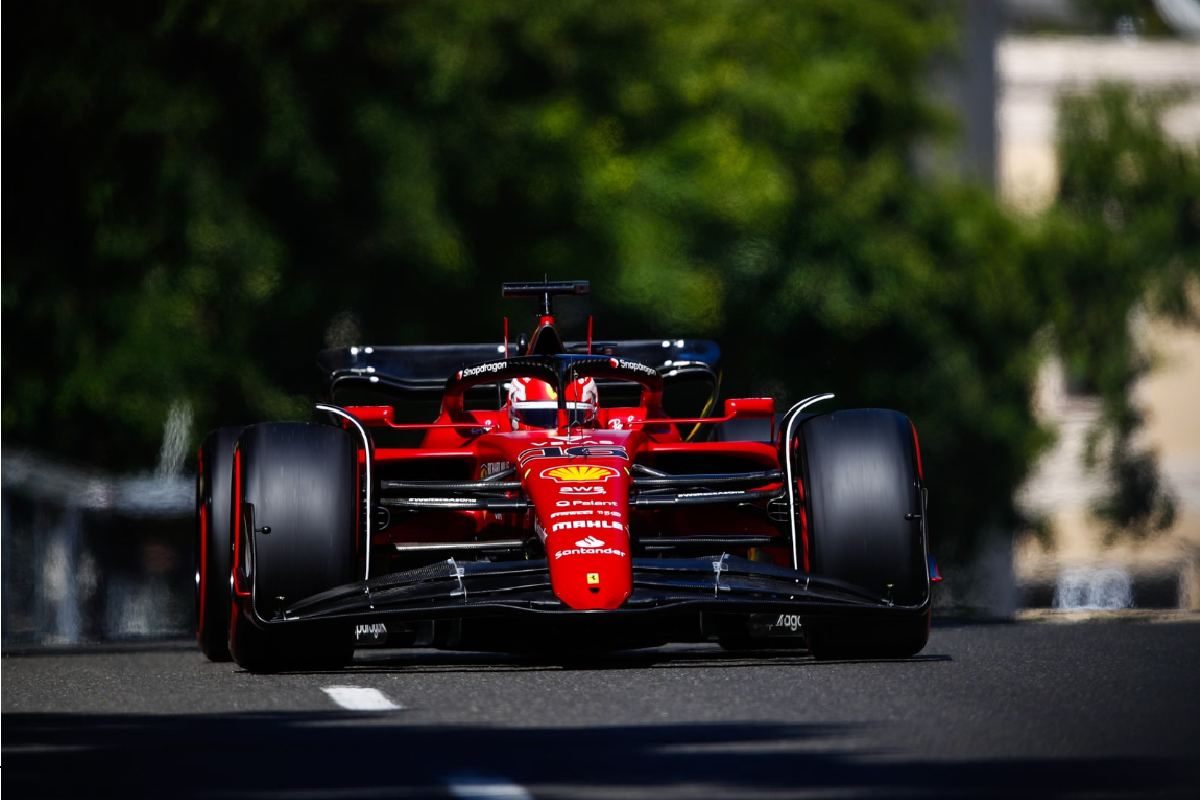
x,y
1122,241
204,194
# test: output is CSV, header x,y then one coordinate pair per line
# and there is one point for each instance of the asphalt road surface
x,y
1099,709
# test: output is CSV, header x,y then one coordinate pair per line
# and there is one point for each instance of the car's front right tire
x,y
213,542
296,515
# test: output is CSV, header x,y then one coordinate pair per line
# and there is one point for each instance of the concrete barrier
x,y
1161,584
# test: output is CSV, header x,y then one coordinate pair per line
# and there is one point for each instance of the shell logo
x,y
576,474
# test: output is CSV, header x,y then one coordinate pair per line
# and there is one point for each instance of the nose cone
x,y
580,494
582,506
590,565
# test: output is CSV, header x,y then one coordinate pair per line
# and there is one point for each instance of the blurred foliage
x,y
1125,18
1123,243
1121,17
205,193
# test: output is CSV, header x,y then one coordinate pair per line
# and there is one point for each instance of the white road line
x,y
482,787
356,698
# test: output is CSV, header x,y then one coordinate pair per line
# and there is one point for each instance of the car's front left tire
x,y
863,503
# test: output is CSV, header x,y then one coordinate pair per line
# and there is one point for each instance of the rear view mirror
x,y
749,407
372,414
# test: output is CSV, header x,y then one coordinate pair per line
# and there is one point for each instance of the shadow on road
x,y
695,657
285,755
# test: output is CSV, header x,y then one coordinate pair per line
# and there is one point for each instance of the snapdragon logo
x,y
493,366
633,366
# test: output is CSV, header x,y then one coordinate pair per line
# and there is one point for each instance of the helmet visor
x,y
543,414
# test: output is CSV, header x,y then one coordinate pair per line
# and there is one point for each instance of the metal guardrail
x,y
88,556
144,494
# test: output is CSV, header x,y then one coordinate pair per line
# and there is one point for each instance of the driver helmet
x,y
533,404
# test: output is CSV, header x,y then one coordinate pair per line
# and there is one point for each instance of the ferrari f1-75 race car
x,y
538,496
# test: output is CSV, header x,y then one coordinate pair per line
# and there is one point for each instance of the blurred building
x,y
1032,72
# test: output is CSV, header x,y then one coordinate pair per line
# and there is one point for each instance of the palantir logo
x,y
590,541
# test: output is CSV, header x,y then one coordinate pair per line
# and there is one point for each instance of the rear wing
x,y
422,371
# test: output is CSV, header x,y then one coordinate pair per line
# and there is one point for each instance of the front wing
x,y
661,587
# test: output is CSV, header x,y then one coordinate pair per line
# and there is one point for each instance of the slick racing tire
x,y
296,512
862,497
213,542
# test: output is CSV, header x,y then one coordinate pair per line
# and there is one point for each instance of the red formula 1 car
x,y
539,496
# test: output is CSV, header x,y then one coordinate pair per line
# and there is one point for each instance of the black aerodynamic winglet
x,y
423,369
546,290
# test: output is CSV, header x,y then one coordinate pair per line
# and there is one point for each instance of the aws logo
x,y
578,474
